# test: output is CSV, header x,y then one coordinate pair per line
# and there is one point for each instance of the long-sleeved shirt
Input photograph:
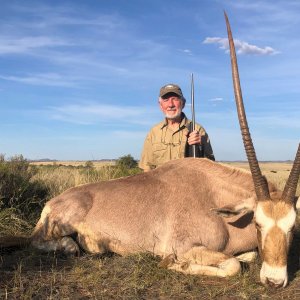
x,y
162,144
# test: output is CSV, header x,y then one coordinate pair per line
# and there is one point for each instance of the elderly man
x,y
168,140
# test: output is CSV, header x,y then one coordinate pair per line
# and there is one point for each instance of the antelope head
x,y
275,213
275,221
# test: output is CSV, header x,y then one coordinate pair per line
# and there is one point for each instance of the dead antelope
x,y
200,216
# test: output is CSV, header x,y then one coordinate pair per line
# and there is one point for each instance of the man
x,y
168,139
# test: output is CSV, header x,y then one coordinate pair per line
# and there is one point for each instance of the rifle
x,y
193,150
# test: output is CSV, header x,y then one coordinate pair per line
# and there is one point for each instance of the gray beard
x,y
172,117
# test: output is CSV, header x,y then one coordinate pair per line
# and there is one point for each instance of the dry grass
x,y
276,172
74,163
59,179
29,274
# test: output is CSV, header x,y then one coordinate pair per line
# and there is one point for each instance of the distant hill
x,y
56,160
115,159
42,160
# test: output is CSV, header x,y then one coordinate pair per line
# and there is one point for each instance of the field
x,y
74,163
26,273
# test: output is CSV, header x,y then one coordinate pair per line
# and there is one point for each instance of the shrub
x,y
89,165
17,189
127,162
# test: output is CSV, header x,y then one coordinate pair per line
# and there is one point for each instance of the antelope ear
x,y
235,209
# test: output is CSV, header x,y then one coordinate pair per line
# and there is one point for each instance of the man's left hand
x,y
194,138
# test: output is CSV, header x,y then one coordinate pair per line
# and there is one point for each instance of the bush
x,y
89,165
18,190
127,162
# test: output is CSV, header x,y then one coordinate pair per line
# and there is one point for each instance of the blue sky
x,y
79,80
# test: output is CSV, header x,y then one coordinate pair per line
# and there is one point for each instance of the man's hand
x,y
194,138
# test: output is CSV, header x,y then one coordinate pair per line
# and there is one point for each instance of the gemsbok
x,y
200,216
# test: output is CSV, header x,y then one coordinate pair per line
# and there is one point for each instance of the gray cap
x,y
170,88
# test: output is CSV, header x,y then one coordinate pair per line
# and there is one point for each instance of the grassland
x,y
74,163
26,273
276,172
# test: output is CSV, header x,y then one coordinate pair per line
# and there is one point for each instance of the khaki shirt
x,y
162,144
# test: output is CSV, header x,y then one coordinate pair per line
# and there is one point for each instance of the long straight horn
x,y
260,184
291,184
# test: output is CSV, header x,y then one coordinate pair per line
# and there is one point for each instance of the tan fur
x,y
155,211
276,209
275,248
203,256
247,256
167,211
276,242
202,261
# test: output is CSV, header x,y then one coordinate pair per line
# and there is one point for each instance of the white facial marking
x,y
276,275
264,221
285,223
288,221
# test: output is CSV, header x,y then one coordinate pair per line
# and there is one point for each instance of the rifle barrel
x,y
193,110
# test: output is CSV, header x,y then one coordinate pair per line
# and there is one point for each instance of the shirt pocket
x,y
160,152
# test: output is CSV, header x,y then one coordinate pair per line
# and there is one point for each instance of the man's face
x,y
171,105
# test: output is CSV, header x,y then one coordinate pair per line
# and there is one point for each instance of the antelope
x,y
201,217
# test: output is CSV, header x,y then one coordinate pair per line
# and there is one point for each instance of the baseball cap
x,y
170,88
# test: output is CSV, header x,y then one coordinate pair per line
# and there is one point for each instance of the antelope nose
x,y
274,283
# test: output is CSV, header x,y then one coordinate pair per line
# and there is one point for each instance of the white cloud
x,y
217,99
241,46
186,51
46,79
93,113
27,44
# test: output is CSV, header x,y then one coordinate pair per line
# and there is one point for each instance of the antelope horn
x,y
260,183
291,184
